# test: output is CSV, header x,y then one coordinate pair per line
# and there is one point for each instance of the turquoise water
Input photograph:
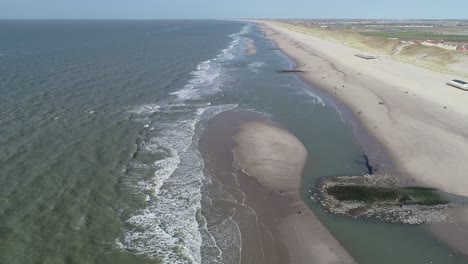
x,y
99,122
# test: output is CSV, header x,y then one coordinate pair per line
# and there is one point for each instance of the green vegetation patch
x,y
370,194
424,196
416,35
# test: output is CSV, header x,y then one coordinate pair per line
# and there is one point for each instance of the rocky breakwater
x,y
384,198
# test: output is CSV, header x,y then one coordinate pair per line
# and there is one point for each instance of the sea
x,y
99,128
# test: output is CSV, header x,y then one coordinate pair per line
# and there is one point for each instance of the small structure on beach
x,y
366,57
459,84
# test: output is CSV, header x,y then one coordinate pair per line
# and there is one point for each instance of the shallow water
x,y
99,122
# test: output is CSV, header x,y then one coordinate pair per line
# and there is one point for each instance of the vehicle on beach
x,y
459,84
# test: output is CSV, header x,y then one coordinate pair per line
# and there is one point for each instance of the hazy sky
x,y
159,9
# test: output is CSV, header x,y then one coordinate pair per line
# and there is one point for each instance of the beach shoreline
x,y
392,104
241,151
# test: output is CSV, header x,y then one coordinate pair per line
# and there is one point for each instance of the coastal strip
x,y
419,120
260,165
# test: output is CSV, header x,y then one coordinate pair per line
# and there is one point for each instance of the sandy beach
x,y
421,121
260,164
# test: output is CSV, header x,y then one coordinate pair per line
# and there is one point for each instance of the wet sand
x,y
410,110
250,47
264,177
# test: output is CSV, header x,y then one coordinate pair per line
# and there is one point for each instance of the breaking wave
x,y
166,171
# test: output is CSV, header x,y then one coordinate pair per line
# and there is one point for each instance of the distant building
x,y
439,44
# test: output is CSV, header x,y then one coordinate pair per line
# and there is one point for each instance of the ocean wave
x,y
207,77
145,109
203,78
167,228
169,225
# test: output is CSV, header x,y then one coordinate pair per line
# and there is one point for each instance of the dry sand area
x,y
276,158
422,122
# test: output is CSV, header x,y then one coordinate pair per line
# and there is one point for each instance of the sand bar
x,y
250,47
283,229
276,158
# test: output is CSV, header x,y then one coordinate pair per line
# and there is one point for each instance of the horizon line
x,y
284,18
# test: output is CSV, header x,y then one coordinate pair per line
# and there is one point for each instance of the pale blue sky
x,y
162,9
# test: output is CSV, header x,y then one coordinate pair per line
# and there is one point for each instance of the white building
x,y
439,45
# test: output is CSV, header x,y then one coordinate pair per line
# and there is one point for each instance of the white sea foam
x,y
167,228
203,78
145,109
206,78
255,65
316,99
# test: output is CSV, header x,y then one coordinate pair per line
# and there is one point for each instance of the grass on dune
x,y
370,194
416,35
